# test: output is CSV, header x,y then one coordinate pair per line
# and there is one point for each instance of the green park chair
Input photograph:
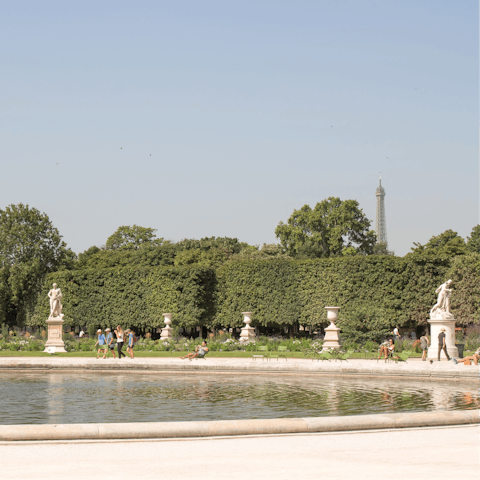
x,y
404,356
344,356
281,352
260,352
325,356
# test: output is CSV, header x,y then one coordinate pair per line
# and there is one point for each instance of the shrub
x,y
472,341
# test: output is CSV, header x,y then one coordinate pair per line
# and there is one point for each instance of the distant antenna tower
x,y
381,219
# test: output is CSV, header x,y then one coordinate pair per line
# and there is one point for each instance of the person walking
x,y
110,344
131,342
396,333
441,344
424,343
102,343
119,333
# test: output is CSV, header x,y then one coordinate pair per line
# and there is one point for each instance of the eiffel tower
x,y
381,219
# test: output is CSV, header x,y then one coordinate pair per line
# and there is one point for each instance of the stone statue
x,y
442,308
55,296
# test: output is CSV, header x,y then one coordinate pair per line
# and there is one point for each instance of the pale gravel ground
x,y
451,453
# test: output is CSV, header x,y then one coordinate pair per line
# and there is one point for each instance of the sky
x,y
219,118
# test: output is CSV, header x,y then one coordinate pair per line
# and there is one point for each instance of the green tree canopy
x,y
448,243
30,247
226,244
473,241
382,249
132,237
333,228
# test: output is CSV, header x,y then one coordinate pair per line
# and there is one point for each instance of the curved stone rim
x,y
162,430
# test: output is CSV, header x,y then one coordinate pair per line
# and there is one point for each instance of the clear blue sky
x,y
249,110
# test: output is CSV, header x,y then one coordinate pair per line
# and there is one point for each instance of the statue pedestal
x,y
332,338
436,324
55,335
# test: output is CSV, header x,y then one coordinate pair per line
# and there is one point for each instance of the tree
x,y
30,247
381,249
127,237
473,242
448,243
330,229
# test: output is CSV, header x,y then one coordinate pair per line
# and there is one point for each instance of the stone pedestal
x,y
167,330
332,332
248,332
436,324
55,343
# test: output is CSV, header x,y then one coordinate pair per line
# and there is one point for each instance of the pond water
x,y
39,398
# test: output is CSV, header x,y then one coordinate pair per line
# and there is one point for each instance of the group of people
x,y
106,343
388,348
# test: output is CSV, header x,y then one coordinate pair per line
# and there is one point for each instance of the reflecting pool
x,y
37,398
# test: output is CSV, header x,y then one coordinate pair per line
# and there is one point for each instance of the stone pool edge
x,y
216,428
420,370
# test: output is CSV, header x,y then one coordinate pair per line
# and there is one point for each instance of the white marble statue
x,y
442,308
55,296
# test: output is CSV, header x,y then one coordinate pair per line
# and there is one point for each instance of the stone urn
x,y
332,332
248,332
167,330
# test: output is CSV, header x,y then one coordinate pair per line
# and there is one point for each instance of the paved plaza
x,y
415,454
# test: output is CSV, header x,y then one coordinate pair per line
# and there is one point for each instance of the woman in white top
x,y
120,339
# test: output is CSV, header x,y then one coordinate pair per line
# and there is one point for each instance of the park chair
x,y
325,356
281,352
404,356
204,357
344,356
262,355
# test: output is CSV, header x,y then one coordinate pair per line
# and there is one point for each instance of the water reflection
x,y
108,397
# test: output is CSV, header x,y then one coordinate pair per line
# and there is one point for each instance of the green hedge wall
x,y
279,292
133,297
288,292
465,274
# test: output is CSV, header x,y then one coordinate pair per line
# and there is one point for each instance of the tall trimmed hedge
x,y
279,292
465,274
288,292
133,297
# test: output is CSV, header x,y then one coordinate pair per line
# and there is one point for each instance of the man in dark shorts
x,y
424,343
442,345
111,345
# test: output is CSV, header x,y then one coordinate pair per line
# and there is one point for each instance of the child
x,y
102,343
131,342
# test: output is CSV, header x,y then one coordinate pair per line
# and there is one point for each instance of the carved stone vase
x,y
332,332
248,332
167,330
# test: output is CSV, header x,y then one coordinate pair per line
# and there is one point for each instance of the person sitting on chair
x,y
387,349
200,352
471,358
